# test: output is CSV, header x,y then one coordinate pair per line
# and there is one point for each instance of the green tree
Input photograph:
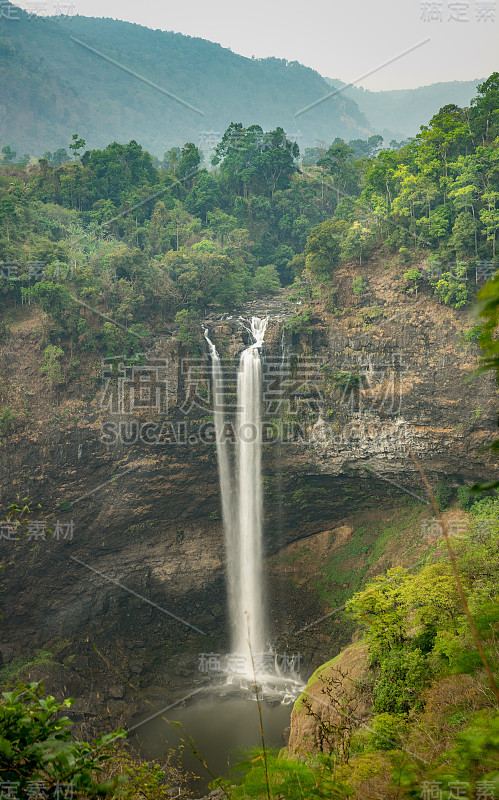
x,y
266,280
485,109
339,163
60,157
490,217
383,605
51,366
451,290
444,135
9,155
36,745
255,162
7,210
189,326
189,161
359,286
358,242
171,159
322,251
221,224
204,196
76,145
413,277
380,177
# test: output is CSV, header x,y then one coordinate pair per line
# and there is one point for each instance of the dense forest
x,y
150,244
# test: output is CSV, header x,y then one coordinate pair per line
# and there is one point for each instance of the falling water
x,y
227,489
223,455
242,503
249,477
242,510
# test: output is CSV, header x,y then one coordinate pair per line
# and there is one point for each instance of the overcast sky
x,y
343,39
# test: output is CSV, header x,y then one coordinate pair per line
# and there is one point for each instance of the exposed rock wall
x,y
147,514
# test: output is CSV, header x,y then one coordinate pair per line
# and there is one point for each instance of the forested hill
x,y
399,113
52,86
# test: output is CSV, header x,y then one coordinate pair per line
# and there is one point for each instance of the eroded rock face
x,y
333,704
138,592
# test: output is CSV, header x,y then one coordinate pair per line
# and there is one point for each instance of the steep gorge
x,y
148,516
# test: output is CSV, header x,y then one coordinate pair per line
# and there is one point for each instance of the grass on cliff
x,y
375,544
9,673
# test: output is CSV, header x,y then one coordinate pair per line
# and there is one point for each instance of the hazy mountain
x,y
400,113
54,86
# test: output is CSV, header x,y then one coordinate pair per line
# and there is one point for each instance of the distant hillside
x,y
52,87
400,113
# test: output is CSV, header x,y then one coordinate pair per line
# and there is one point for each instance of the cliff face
x,y
333,701
140,576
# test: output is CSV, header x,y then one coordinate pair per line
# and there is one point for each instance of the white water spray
x,y
249,477
223,455
242,503
227,488
242,510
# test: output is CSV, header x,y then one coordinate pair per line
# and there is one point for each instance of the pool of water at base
x,y
222,728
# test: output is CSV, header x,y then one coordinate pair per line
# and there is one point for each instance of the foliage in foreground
x,y
288,779
40,759
36,746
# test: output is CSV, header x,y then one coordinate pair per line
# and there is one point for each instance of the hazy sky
x,y
343,40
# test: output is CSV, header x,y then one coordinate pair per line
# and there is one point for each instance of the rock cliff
x,y
131,589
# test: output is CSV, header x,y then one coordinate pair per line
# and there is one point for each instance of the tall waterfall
x,y
242,502
227,488
250,511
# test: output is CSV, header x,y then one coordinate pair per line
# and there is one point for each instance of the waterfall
x,y
242,503
227,489
223,455
249,496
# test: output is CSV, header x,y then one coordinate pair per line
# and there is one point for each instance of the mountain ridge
x,y
399,113
227,87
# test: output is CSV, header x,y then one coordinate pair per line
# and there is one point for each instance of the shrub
x,y
472,334
443,495
386,731
37,747
51,366
359,286
300,323
7,419
451,291
405,256
146,780
322,249
404,673
465,497
189,326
